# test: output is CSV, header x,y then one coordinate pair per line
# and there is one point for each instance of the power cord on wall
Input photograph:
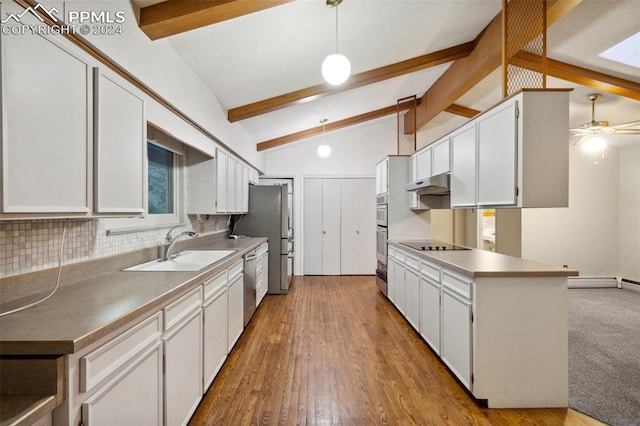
x,y
60,253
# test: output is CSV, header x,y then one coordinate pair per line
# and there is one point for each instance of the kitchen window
x,y
160,178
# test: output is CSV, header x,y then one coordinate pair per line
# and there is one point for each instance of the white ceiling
x,y
280,50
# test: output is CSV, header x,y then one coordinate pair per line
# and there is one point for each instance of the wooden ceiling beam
x,y
467,72
372,115
173,17
582,76
357,80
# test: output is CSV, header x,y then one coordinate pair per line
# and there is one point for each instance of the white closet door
x,y
357,251
313,226
331,236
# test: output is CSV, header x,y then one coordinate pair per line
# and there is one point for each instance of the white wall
x,y
355,151
160,68
583,236
629,213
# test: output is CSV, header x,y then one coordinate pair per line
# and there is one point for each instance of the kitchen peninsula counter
x,y
498,322
482,263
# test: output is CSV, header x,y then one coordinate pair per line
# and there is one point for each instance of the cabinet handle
x,y
324,232
357,232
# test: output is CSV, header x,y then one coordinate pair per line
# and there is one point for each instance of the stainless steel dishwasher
x,y
249,285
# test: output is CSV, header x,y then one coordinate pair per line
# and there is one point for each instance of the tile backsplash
x,y
34,245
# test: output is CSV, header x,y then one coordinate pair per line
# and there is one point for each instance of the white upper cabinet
x,y
423,165
441,157
46,127
496,138
514,155
463,168
382,174
119,148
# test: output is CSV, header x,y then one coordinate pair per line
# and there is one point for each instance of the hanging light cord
x,y
60,253
336,29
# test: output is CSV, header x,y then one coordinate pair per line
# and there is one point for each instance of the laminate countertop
x,y
82,313
481,263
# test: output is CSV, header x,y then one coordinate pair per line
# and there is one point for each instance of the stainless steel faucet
x,y
172,240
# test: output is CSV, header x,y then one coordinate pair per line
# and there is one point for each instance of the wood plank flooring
x,y
334,351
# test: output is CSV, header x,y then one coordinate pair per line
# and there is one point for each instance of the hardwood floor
x,y
334,351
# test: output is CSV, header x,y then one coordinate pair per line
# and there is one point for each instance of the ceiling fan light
x,y
594,144
336,69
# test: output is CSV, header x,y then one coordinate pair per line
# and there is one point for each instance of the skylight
x,y
626,52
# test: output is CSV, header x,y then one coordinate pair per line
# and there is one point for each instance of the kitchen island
x,y
99,346
498,322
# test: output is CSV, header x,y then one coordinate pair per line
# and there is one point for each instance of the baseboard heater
x,y
593,282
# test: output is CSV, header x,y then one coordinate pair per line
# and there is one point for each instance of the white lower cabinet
x,y
215,311
155,371
430,312
236,304
437,302
412,291
399,282
183,357
133,397
456,335
262,272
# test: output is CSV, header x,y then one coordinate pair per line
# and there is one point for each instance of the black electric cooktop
x,y
432,245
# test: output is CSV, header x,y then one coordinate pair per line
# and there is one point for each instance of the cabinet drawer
x,y
182,307
213,285
456,283
235,270
105,361
430,270
412,262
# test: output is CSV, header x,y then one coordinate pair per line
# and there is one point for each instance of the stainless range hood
x,y
434,185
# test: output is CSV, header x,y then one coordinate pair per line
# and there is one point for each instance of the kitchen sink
x,y
188,260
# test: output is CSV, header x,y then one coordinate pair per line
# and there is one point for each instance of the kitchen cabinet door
x,y
430,312
440,157
391,277
235,321
313,227
331,237
399,282
119,148
133,397
221,204
215,313
456,335
423,169
412,293
497,156
463,167
183,369
46,127
358,253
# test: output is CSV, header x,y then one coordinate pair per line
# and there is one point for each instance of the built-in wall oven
x,y
381,242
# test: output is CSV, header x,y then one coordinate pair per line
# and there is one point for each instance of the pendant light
x,y
324,150
336,68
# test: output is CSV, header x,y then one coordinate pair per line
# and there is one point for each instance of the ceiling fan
x,y
594,127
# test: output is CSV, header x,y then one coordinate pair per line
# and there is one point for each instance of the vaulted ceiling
x,y
262,59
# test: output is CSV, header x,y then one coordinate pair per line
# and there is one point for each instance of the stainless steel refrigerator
x,y
269,217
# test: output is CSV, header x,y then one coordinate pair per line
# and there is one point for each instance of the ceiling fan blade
x,y
625,125
578,132
627,132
